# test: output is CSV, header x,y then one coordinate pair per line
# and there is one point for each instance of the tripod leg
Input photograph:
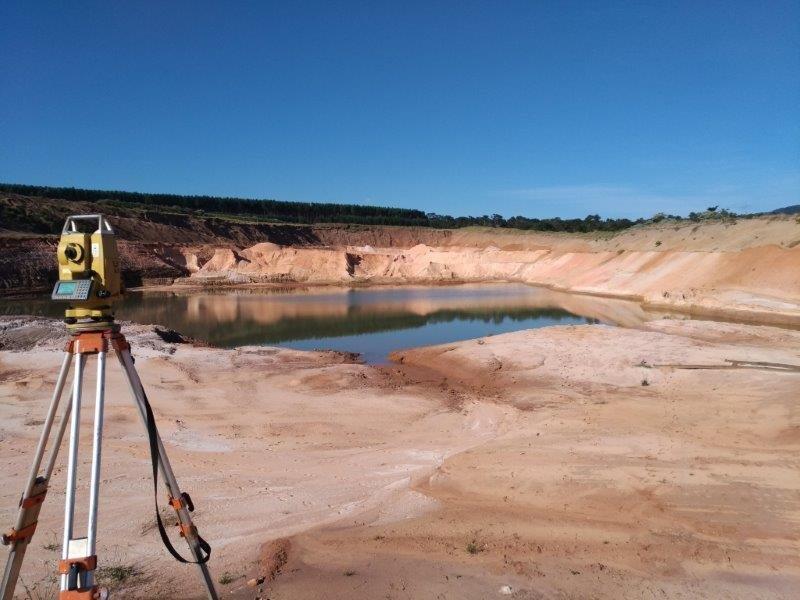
x,y
97,439
187,527
62,429
72,464
36,487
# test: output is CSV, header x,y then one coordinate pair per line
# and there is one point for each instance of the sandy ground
x,y
567,462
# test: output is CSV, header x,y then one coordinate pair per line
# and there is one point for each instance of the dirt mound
x,y
224,259
271,558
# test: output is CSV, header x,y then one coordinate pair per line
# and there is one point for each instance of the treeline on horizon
x,y
312,212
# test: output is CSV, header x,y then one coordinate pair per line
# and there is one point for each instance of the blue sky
x,y
533,108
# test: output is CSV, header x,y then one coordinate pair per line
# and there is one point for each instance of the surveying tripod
x,y
78,555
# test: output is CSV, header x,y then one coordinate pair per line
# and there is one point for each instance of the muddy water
x,y
371,321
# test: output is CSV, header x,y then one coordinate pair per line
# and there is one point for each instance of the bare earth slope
x,y
750,268
153,243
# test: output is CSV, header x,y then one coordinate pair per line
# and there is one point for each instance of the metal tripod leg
x,y
72,461
126,360
78,554
94,481
36,487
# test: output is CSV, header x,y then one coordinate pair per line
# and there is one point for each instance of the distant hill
x,y
794,209
278,211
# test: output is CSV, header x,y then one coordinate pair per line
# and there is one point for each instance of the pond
x,y
371,321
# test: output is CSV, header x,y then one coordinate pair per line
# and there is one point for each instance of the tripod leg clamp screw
x,y
184,501
18,535
32,501
187,530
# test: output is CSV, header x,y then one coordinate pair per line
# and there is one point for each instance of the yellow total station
x,y
88,272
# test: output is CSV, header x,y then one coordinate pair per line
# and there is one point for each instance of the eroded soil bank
x,y
567,462
740,269
744,269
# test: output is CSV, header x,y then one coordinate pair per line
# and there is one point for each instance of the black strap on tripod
x,y
152,433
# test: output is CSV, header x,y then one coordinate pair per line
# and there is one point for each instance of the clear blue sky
x,y
534,108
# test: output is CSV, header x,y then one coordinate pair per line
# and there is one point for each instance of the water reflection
x,y
372,321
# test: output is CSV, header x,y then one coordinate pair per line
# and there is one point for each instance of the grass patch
x,y
168,516
116,573
46,589
226,578
473,547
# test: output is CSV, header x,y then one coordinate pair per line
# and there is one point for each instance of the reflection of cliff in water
x,y
242,317
359,323
234,319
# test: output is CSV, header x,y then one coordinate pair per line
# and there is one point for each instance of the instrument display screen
x,y
77,289
66,288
